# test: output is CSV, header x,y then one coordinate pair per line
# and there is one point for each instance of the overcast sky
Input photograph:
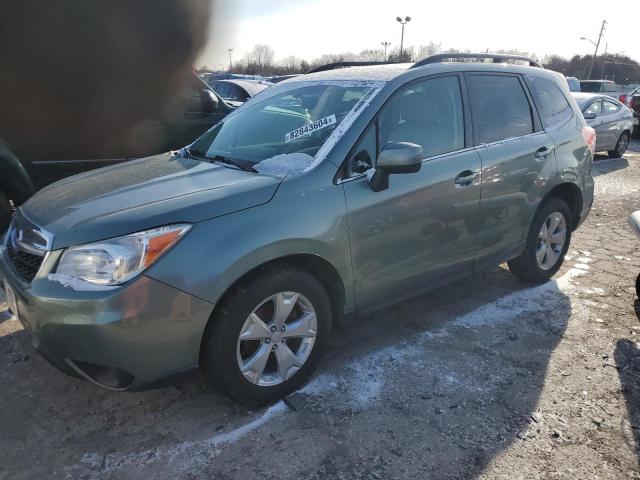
x,y
309,28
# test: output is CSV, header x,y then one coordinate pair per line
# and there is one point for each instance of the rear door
x,y
611,124
517,156
419,231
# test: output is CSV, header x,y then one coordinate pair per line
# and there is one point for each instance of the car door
x,y
517,157
419,231
611,124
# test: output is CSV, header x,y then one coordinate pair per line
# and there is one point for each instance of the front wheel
x,y
5,213
547,244
266,339
621,146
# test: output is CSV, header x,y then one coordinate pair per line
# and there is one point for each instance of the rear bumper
x,y
124,338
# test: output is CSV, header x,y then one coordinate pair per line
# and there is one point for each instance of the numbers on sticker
x,y
311,128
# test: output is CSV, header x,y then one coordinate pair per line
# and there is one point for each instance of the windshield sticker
x,y
311,128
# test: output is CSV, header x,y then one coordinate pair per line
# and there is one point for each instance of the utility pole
x,y
385,45
604,60
403,22
593,60
230,62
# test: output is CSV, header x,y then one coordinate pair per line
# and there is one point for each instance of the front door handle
x,y
543,152
466,178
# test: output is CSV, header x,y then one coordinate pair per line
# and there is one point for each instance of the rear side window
x,y
551,102
594,108
500,107
610,107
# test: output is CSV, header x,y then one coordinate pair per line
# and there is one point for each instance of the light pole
x,y
597,45
403,22
385,45
230,62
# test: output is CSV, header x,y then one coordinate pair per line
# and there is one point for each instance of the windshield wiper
x,y
218,158
229,161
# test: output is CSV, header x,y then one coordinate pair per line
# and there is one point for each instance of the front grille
x,y
26,264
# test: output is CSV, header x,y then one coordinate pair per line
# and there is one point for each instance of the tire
x,y
527,266
223,352
621,146
5,213
636,131
638,286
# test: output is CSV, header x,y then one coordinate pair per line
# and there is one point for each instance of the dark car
x,y
237,92
195,111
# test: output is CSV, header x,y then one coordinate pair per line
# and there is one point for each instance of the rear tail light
x,y
623,99
589,135
634,102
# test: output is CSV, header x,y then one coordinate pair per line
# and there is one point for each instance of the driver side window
x,y
428,113
593,108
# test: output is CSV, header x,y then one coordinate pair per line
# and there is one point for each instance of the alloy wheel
x,y
551,240
277,339
623,143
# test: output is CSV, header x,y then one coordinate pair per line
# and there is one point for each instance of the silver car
x,y
612,121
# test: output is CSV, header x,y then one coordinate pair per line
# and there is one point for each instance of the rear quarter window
x,y
552,105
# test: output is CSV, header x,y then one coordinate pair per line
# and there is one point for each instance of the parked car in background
x,y
605,87
634,104
574,84
237,92
612,121
197,109
625,97
335,193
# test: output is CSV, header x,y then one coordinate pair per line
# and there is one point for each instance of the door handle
x,y
543,152
466,178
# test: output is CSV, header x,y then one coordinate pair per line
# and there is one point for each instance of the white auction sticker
x,y
310,128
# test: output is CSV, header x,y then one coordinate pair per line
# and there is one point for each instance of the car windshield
x,y
289,127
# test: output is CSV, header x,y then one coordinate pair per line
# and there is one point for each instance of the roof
x,y
582,98
386,73
253,87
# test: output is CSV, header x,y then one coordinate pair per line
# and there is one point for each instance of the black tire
x,y
526,266
638,286
5,213
218,358
621,146
636,131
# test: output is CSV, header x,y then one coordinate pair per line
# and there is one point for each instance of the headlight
x,y
115,261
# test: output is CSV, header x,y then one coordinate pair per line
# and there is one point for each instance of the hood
x,y
143,194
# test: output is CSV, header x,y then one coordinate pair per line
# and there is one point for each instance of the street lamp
x,y
597,45
230,62
403,22
385,45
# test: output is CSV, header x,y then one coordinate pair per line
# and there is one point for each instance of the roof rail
x,y
496,57
337,65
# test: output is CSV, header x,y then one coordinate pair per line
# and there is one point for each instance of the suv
x,y
197,110
606,87
334,193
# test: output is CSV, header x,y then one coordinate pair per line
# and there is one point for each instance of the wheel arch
x,y
572,195
322,269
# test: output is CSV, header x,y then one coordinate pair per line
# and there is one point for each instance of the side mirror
x,y
396,157
590,116
209,101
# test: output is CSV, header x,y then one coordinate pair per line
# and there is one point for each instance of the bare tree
x,y
425,51
261,56
372,56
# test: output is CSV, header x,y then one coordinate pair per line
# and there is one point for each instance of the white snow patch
x,y
186,454
77,284
581,266
584,260
283,165
620,257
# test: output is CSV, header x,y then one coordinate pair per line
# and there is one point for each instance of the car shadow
x,y
627,358
604,165
440,384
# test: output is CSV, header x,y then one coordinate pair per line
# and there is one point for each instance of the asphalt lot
x,y
486,378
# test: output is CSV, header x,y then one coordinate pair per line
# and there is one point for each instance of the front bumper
x,y
124,338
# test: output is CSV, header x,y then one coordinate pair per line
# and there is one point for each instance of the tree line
x,y
261,61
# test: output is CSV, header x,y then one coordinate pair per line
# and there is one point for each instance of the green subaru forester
x,y
333,193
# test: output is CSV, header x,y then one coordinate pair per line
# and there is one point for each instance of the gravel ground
x,y
486,378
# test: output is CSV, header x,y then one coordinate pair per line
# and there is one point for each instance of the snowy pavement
x,y
486,378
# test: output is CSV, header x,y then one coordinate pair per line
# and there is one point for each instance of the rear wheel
x,y
5,213
621,146
547,244
267,337
638,286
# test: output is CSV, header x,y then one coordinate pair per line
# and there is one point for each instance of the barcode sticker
x,y
310,128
